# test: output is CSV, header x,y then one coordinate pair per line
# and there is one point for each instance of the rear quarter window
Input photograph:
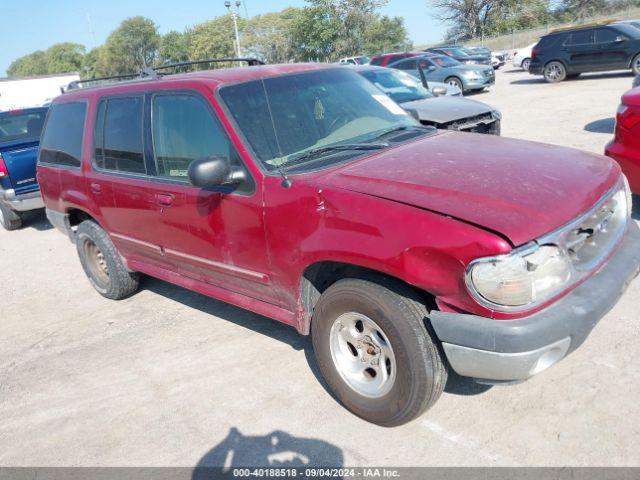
x,y
62,138
21,126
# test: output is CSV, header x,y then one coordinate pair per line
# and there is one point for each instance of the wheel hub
x,y
362,355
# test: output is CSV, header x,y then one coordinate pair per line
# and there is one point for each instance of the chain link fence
x,y
521,38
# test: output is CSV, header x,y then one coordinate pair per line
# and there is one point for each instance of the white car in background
x,y
522,58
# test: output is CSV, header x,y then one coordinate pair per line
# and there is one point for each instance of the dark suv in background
x,y
568,53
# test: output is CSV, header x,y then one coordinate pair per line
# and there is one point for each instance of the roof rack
x,y
601,23
151,73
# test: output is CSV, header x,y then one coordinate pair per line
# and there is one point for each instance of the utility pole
x,y
234,15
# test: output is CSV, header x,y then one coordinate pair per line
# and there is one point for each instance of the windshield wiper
x,y
401,128
316,152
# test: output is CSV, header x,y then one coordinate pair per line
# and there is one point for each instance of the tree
x,y
386,35
327,29
268,36
64,57
93,64
213,39
33,64
173,48
132,46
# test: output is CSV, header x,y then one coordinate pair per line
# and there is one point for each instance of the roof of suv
x,y
213,78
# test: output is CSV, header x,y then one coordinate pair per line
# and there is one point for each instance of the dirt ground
x,y
170,377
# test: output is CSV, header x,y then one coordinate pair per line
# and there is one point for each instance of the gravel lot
x,y
169,377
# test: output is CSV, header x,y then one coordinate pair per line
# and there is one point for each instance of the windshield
x,y
284,117
457,52
445,62
400,86
21,126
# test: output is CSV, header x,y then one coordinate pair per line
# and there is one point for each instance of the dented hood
x,y
447,109
519,189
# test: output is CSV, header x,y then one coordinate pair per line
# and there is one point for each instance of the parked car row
x,y
305,193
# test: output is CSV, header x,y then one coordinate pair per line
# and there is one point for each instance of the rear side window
x,y
549,41
62,139
580,38
21,126
118,135
407,65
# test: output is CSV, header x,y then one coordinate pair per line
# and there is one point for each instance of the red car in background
x,y
388,58
625,147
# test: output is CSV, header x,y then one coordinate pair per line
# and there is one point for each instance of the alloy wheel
x,y
362,355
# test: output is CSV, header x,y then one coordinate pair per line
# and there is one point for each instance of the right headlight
x,y
532,275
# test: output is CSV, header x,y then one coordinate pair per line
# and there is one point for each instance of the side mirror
x,y
439,91
212,171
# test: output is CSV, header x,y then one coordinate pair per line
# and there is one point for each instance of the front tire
x,y
102,263
555,72
376,351
455,82
9,219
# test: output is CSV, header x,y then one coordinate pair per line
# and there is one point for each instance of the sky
x,y
29,25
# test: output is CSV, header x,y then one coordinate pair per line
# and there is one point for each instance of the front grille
x,y
589,239
484,123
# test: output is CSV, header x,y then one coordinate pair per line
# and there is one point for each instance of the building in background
x,y
32,91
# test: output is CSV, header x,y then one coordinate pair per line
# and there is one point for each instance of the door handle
x,y
164,199
96,188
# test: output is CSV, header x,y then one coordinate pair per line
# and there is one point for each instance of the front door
x,y
213,235
612,49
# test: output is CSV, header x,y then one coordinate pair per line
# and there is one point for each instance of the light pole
x,y
234,16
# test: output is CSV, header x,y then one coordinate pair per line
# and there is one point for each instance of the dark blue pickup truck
x,y
19,141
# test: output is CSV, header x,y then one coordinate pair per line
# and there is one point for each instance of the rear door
x,y
119,181
581,51
19,139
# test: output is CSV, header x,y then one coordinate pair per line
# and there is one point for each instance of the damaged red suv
x,y
303,193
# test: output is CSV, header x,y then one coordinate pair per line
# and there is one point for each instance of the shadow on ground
x,y
228,312
275,450
36,219
464,386
605,125
585,76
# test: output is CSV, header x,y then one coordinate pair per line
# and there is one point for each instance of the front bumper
x,y
21,203
495,351
479,83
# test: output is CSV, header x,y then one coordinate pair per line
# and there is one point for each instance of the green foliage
x,y
212,39
173,48
329,29
64,57
131,47
268,36
33,64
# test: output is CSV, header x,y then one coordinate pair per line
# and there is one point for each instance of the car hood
x,y
521,190
446,109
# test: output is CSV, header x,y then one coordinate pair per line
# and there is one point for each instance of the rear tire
x,y
376,351
555,72
635,65
102,263
9,219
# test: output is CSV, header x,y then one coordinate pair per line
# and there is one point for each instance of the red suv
x,y
303,193
625,147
